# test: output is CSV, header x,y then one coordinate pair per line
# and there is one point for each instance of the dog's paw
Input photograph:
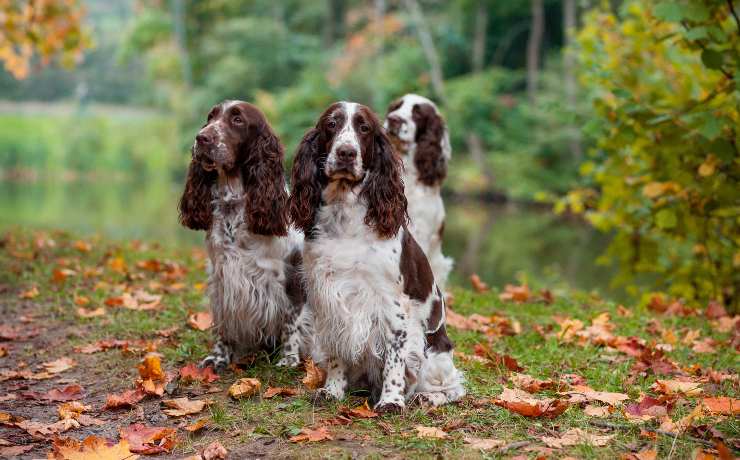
x,y
323,396
289,361
218,363
388,408
429,399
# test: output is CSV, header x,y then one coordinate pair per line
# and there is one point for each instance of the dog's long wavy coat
x,y
379,317
236,192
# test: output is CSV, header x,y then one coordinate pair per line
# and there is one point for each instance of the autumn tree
x,y
40,28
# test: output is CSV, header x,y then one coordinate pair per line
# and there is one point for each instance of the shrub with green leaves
x,y
663,81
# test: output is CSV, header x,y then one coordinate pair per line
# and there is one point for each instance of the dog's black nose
x,y
346,153
203,139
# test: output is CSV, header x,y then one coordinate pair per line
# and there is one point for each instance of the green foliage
x,y
664,84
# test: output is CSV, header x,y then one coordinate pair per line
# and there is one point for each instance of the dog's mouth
x,y
208,164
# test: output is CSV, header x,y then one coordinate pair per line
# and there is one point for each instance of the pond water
x,y
501,243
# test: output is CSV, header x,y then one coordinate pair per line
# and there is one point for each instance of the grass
x,y
28,259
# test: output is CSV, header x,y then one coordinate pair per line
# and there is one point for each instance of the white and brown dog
x,y
419,133
379,316
236,192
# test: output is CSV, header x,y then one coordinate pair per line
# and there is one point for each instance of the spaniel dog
x,y
236,192
419,134
379,317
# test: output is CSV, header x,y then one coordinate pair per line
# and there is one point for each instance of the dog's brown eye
x,y
364,129
332,124
238,120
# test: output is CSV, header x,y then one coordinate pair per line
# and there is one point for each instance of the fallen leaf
x,y
518,294
244,388
149,440
271,392
568,329
624,311
726,323
670,387
715,310
497,360
430,432
60,275
193,373
40,430
31,293
200,321
708,345
85,313
529,383
72,410
214,451
722,405
15,451
179,407
118,265
152,376
126,399
197,425
315,376
362,411
483,443
576,436
581,393
3,351
167,332
82,246
311,435
59,365
646,409
477,284
68,393
645,454
464,323
597,411
525,404
8,332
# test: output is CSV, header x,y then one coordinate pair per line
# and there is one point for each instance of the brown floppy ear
x,y
383,189
305,195
430,160
264,185
195,204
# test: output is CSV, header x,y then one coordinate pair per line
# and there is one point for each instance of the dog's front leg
x,y
220,358
293,337
336,380
392,396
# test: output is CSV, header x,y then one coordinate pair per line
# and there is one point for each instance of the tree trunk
x,y
534,45
570,13
479,38
427,44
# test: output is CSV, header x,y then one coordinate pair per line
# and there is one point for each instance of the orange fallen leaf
x,y
151,367
576,436
214,451
581,393
670,387
149,440
244,388
597,411
82,246
525,404
183,406
200,321
72,409
59,365
60,275
518,294
271,392
31,293
91,447
68,393
430,432
197,425
85,313
477,284
722,405
315,376
645,454
715,310
193,373
118,265
529,383
311,435
362,411
126,399
15,451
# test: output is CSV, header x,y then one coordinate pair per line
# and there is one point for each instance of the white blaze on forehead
x,y
407,106
347,135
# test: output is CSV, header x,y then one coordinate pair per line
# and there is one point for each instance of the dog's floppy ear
x,y
305,196
383,189
266,198
431,142
195,204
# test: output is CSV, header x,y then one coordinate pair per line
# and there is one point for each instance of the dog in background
x,y
419,133
236,192
378,314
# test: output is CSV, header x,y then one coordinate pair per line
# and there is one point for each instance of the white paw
x,y
288,361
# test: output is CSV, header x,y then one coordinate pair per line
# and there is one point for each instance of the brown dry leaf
x,y
6,374
244,388
192,372
197,425
708,345
465,323
362,411
576,436
271,392
68,393
483,443
82,246
518,294
91,448
118,265
645,454
597,411
726,323
39,430
647,408
624,311
60,275
3,351
568,329
670,387
59,365
581,393
29,294
311,435
71,410
167,332
315,376
722,405
529,383
179,407
527,405
478,284
691,336
81,300
214,451
152,376
200,321
149,440
430,432
85,313
126,399
15,451
715,310
497,360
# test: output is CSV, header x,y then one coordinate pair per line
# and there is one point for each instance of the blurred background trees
x,y
622,110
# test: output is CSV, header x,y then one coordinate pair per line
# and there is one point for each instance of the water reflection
x,y
496,241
